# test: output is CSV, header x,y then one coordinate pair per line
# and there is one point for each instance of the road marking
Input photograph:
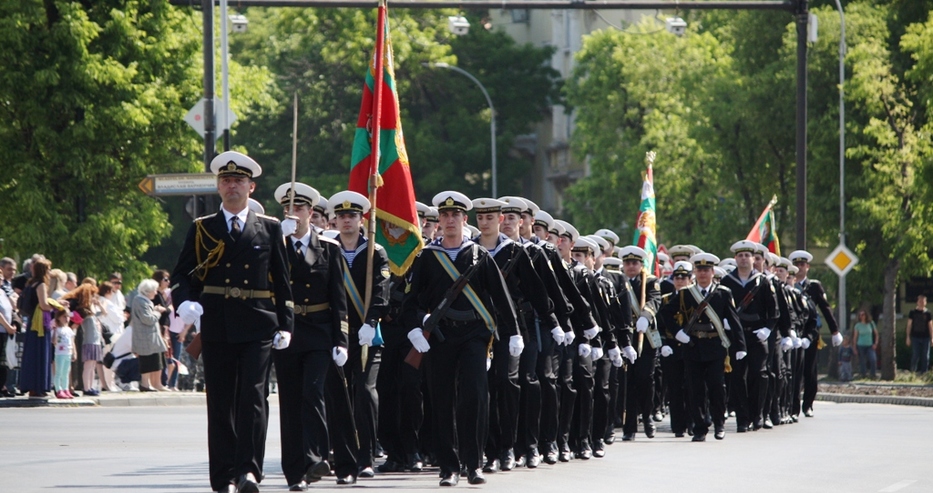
x,y
898,486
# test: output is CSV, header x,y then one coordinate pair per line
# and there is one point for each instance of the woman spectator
x,y
35,374
6,324
111,318
57,280
164,298
865,335
148,343
84,301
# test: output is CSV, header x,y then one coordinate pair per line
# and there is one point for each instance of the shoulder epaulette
x,y
324,239
202,218
724,288
379,247
268,217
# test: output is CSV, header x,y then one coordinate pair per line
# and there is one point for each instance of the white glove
x,y
725,324
787,343
805,343
798,343
569,337
416,336
682,337
666,351
281,340
558,334
793,334
615,356
488,363
584,349
591,332
762,333
340,355
740,355
642,324
597,353
289,226
190,311
629,353
516,345
366,334
837,339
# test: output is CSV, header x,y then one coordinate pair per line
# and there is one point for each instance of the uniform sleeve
x,y
499,295
533,289
783,311
379,301
340,326
737,332
183,288
280,273
546,273
652,298
580,316
414,306
815,290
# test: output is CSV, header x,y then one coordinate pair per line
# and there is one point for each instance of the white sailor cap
x,y
612,263
255,206
486,205
607,235
783,262
793,269
432,215
532,208
321,206
617,252
585,245
569,230
452,200
304,194
349,201
760,249
772,258
330,233
727,262
232,163
600,242
556,229
800,256
633,252
473,230
543,219
704,260
663,258
719,273
728,268
422,209
513,205
744,246
681,251
682,267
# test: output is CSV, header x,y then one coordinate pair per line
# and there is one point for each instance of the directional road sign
x,y
841,260
195,116
179,184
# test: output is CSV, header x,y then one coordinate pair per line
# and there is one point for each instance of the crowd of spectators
x,y
60,338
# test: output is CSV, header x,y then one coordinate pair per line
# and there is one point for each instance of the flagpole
x,y
374,169
291,195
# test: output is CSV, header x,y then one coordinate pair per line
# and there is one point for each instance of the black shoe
x,y
628,437
414,463
767,424
299,486
366,472
450,479
794,418
247,484
565,454
657,417
551,456
679,434
507,460
521,461
690,430
475,476
720,433
699,438
585,452
609,439
349,479
230,488
599,449
533,458
390,466
649,429
808,413
491,466
317,471
756,425
741,428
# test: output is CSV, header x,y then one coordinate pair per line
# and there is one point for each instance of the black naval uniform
x,y
814,291
616,321
772,408
750,375
362,375
705,356
531,302
456,373
616,375
639,401
672,315
246,298
315,416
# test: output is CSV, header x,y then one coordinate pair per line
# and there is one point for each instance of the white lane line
x,y
898,486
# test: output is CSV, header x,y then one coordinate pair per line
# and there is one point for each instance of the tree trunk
x,y
887,325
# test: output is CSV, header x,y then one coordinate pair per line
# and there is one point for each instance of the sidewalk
x,y
113,399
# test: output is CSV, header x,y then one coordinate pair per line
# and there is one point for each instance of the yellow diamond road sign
x,y
841,260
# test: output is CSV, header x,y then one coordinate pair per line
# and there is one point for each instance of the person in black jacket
x,y
234,264
646,298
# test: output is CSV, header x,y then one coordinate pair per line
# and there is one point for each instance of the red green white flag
x,y
647,222
765,230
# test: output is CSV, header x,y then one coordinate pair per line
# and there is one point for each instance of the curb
x,y
130,400
874,399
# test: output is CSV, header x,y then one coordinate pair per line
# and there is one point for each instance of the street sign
x,y
841,260
179,184
195,116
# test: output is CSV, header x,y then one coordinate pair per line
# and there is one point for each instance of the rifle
x,y
749,297
698,311
437,314
641,306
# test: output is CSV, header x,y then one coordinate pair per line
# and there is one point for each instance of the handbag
x,y
106,334
110,359
11,360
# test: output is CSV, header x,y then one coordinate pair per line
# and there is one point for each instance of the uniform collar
x,y
242,215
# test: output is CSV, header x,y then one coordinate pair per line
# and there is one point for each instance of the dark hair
x,y
81,297
160,274
40,271
104,288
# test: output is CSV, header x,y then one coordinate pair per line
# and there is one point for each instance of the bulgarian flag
x,y
379,126
647,223
765,230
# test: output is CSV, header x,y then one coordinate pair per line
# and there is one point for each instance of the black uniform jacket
x,y
379,301
257,261
317,279
527,291
709,349
814,290
540,254
761,310
617,326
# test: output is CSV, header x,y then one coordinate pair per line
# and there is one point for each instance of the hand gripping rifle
x,y
430,325
697,312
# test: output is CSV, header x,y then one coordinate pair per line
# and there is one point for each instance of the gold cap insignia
x,y
346,204
231,166
449,201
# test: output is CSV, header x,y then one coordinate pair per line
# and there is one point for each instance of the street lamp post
x,y
843,311
492,123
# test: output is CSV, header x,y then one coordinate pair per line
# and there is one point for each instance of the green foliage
x,y
91,97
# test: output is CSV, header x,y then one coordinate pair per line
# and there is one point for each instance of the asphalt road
x,y
845,448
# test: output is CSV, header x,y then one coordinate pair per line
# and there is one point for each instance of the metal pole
x,y
492,123
207,9
225,75
802,17
787,5
843,310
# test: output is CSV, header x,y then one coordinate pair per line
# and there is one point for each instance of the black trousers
x,y
675,380
236,377
810,360
750,381
400,401
772,406
548,369
584,381
568,394
798,358
602,399
362,385
459,392
529,404
639,399
504,397
707,387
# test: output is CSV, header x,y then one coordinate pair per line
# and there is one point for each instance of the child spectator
x,y
845,360
65,353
